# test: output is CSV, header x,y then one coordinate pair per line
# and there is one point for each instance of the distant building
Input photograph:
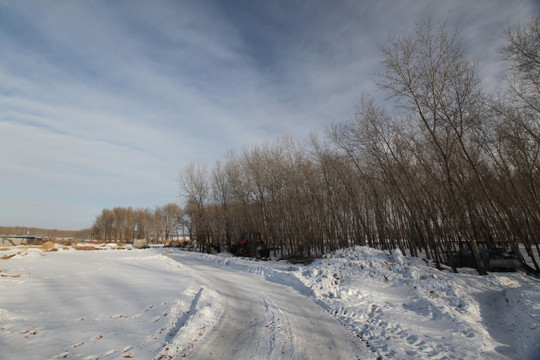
x,y
14,240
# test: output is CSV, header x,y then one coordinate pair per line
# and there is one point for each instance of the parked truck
x,y
251,245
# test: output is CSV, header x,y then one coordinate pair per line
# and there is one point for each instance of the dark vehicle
x,y
501,260
213,248
495,259
251,246
261,251
173,244
241,248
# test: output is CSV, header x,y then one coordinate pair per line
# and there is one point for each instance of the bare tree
x,y
514,139
446,173
522,53
195,188
428,75
171,215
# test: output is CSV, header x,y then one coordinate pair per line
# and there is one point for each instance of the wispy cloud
x,y
103,103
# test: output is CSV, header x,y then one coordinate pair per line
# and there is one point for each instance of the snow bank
x,y
404,308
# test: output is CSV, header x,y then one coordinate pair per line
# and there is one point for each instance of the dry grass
x,y
5,257
84,247
11,275
48,246
66,241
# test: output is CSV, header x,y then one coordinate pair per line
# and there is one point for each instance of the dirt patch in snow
x,y
85,247
48,245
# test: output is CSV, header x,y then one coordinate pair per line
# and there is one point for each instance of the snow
x,y
87,304
265,320
116,303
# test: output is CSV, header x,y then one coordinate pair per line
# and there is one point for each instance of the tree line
x,y
50,233
127,224
456,167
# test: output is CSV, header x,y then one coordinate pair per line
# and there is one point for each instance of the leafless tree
x,y
171,215
195,188
452,169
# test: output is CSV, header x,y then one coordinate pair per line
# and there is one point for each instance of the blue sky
x,y
103,103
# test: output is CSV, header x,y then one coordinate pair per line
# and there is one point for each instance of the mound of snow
x,y
405,308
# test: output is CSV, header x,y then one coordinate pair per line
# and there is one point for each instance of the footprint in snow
x,y
412,339
118,316
61,356
28,333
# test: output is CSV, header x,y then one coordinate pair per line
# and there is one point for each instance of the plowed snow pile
x,y
407,309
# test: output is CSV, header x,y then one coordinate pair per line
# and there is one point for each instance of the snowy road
x,y
263,320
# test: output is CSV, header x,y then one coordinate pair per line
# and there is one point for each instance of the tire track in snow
x,y
183,319
277,343
264,320
191,324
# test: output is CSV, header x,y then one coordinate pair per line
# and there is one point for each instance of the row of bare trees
x,y
454,168
49,233
127,224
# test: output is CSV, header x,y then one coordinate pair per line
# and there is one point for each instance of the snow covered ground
x,y
90,304
169,304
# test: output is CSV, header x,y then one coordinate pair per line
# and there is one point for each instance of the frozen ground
x,y
163,304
